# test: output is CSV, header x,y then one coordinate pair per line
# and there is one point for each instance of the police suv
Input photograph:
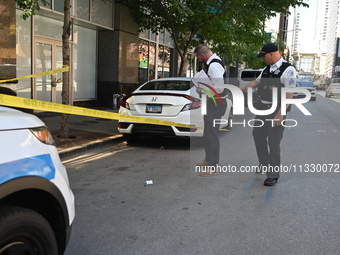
x,y
36,202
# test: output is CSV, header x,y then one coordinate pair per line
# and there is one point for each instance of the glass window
x,y
24,55
161,37
152,61
101,13
83,9
7,40
48,27
167,85
167,61
164,61
43,63
160,66
49,5
304,84
59,5
85,48
167,39
144,34
143,57
153,36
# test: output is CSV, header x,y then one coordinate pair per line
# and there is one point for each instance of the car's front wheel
x,y
25,232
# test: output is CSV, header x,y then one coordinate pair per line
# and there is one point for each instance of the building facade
x,y
108,54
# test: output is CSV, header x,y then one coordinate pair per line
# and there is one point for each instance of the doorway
x,y
48,56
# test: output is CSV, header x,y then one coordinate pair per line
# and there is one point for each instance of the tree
x,y
231,25
30,8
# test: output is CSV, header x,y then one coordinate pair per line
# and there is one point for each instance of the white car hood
x,y
14,119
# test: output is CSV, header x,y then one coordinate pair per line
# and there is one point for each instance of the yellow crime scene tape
x,y
13,101
60,70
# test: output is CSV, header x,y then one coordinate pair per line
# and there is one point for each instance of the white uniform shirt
x,y
216,72
288,77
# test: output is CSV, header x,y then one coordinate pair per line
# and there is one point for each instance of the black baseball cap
x,y
269,47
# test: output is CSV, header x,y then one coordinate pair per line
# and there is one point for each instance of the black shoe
x,y
270,181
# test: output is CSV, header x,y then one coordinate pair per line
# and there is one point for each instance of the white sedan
x,y
169,99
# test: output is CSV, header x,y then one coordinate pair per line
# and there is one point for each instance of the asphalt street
x,y
230,213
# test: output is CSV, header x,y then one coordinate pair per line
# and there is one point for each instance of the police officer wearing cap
x,y
267,137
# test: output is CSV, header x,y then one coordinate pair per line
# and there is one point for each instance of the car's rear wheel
x,y
313,99
131,138
25,232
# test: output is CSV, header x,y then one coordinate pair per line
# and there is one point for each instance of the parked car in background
x,y
169,99
36,202
333,90
306,84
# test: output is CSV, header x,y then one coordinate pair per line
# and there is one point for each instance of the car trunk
x,y
153,104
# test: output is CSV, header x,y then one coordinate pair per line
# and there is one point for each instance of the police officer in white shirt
x,y
215,70
267,137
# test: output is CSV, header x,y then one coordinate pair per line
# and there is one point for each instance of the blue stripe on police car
x,y
41,166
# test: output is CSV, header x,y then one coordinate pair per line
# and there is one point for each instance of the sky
x,y
307,26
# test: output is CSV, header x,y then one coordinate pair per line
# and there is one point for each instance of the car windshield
x,y
336,86
250,75
167,85
304,84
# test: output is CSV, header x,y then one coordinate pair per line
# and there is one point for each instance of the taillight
x,y
43,135
195,104
124,103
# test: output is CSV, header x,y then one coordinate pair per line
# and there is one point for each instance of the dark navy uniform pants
x,y
267,142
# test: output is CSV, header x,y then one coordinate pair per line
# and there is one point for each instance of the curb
x,y
82,149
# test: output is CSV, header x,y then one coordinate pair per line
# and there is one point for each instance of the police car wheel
x,y
23,231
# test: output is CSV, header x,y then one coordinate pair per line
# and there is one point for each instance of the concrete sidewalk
x,y
85,133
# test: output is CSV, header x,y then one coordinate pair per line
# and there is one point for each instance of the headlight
x,y
43,135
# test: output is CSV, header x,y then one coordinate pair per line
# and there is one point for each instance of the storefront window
x,y
85,44
49,5
167,39
143,57
59,5
164,61
48,27
152,61
144,34
24,55
101,12
147,61
7,40
83,9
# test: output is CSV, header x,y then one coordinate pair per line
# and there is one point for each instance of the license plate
x,y
153,108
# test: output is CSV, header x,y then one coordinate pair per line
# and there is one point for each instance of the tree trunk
x,y
183,66
64,131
